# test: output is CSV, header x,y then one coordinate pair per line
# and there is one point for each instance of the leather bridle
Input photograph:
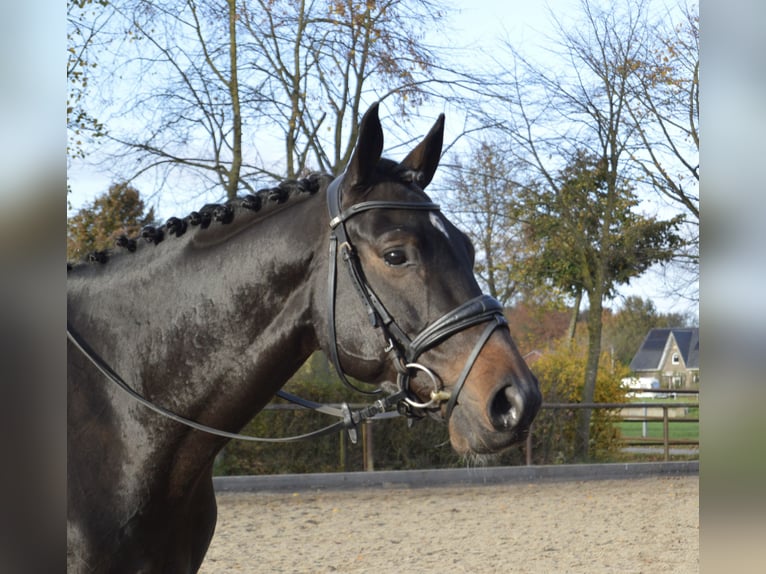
x,y
405,351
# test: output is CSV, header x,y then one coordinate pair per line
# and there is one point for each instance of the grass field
x,y
678,430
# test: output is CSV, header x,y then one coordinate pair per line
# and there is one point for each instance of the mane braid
x,y
222,213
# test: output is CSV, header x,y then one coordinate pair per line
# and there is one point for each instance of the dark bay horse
x,y
209,315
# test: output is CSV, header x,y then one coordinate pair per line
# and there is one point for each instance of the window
x,y
676,359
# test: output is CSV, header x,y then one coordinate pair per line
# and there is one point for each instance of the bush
x,y
561,373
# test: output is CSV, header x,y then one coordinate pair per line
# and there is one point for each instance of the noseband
x,y
405,350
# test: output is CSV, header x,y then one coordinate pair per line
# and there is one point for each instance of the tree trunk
x,y
582,440
236,160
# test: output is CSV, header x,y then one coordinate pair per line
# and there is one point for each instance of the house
x,y
671,356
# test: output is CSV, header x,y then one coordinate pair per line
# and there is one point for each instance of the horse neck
x,y
209,328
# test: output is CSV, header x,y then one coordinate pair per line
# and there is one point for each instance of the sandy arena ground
x,y
623,526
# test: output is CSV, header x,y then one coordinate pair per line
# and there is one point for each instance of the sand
x,y
646,525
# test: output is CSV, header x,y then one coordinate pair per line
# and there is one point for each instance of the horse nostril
x,y
506,408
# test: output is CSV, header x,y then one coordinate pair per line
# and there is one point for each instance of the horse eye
x,y
395,257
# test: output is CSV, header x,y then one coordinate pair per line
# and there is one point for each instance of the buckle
x,y
349,423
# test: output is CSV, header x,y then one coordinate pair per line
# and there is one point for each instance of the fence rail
x,y
367,427
665,441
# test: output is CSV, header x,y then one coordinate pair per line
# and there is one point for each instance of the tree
x,y
536,326
482,197
664,115
82,33
324,61
587,239
120,211
169,71
575,117
626,329
210,82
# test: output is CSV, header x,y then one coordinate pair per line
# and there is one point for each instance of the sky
x,y
483,24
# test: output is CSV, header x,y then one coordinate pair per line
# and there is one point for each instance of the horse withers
x,y
209,315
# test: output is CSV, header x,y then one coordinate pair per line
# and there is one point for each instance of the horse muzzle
x,y
498,402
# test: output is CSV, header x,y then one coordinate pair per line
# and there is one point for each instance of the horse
x,y
207,316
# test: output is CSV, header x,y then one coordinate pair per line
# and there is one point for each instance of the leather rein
x,y
404,350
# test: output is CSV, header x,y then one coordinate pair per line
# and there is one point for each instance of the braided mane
x,y
223,213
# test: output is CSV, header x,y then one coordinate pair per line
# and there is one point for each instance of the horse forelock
x,y
257,204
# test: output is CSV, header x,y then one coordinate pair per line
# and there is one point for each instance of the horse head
x,y
410,309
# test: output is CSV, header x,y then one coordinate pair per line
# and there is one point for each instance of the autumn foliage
x,y
93,228
561,373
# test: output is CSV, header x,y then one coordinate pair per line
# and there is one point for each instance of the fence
x,y
643,412
643,417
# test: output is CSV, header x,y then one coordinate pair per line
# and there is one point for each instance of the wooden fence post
x,y
343,451
369,459
528,450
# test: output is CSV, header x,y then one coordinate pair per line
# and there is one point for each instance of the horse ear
x,y
425,157
369,146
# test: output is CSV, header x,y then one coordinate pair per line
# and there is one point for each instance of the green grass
x,y
676,430
679,399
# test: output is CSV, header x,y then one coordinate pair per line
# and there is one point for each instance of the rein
x,y
349,419
405,351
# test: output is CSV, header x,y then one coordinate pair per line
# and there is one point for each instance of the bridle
x,y
405,351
